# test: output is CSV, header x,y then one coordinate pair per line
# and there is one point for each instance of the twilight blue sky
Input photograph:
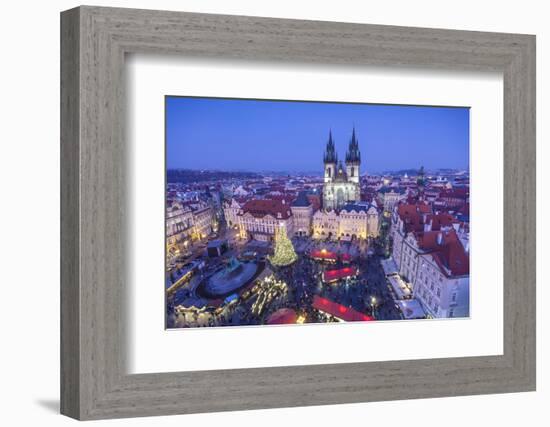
x,y
252,135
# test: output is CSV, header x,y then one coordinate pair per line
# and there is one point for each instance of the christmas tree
x,y
284,250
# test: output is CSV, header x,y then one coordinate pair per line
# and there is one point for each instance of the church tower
x,y
421,183
330,159
353,159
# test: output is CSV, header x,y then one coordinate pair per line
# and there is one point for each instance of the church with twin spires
x,y
341,184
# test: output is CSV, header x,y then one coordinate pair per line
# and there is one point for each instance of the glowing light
x,y
284,250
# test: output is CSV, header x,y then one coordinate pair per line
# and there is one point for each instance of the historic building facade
x,y
259,219
430,255
341,184
390,196
179,229
203,219
231,209
302,212
353,221
342,215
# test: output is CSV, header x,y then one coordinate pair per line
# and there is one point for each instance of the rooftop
x,y
278,208
446,249
301,201
342,273
347,314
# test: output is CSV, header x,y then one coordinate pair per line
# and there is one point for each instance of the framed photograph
x,y
277,213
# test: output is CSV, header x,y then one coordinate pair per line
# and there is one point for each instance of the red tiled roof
x,y
347,314
260,208
342,273
441,220
412,215
447,251
457,192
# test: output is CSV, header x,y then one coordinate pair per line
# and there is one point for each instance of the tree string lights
x,y
284,250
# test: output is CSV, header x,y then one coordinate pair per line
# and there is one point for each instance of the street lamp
x,y
373,304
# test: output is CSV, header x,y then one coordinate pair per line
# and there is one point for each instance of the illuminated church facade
x,y
344,215
341,183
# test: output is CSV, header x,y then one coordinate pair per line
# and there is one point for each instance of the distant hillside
x,y
190,176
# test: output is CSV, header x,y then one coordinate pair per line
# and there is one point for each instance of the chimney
x,y
440,238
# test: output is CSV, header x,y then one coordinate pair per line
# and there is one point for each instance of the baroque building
x,y
341,185
358,220
261,219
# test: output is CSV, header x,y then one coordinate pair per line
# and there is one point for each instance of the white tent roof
x,y
399,286
389,266
411,309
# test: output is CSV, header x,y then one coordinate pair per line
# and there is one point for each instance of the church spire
x,y
330,152
353,155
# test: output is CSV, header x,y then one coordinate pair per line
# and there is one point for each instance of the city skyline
x,y
414,135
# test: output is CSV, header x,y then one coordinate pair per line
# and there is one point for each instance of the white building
x,y
231,209
390,196
302,214
240,191
179,229
434,262
258,219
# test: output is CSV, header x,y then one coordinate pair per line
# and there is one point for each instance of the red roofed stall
x,y
341,312
324,255
284,316
330,276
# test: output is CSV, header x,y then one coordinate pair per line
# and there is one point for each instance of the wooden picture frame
x,y
94,41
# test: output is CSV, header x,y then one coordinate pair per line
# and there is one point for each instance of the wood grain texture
x,y
70,291
94,267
